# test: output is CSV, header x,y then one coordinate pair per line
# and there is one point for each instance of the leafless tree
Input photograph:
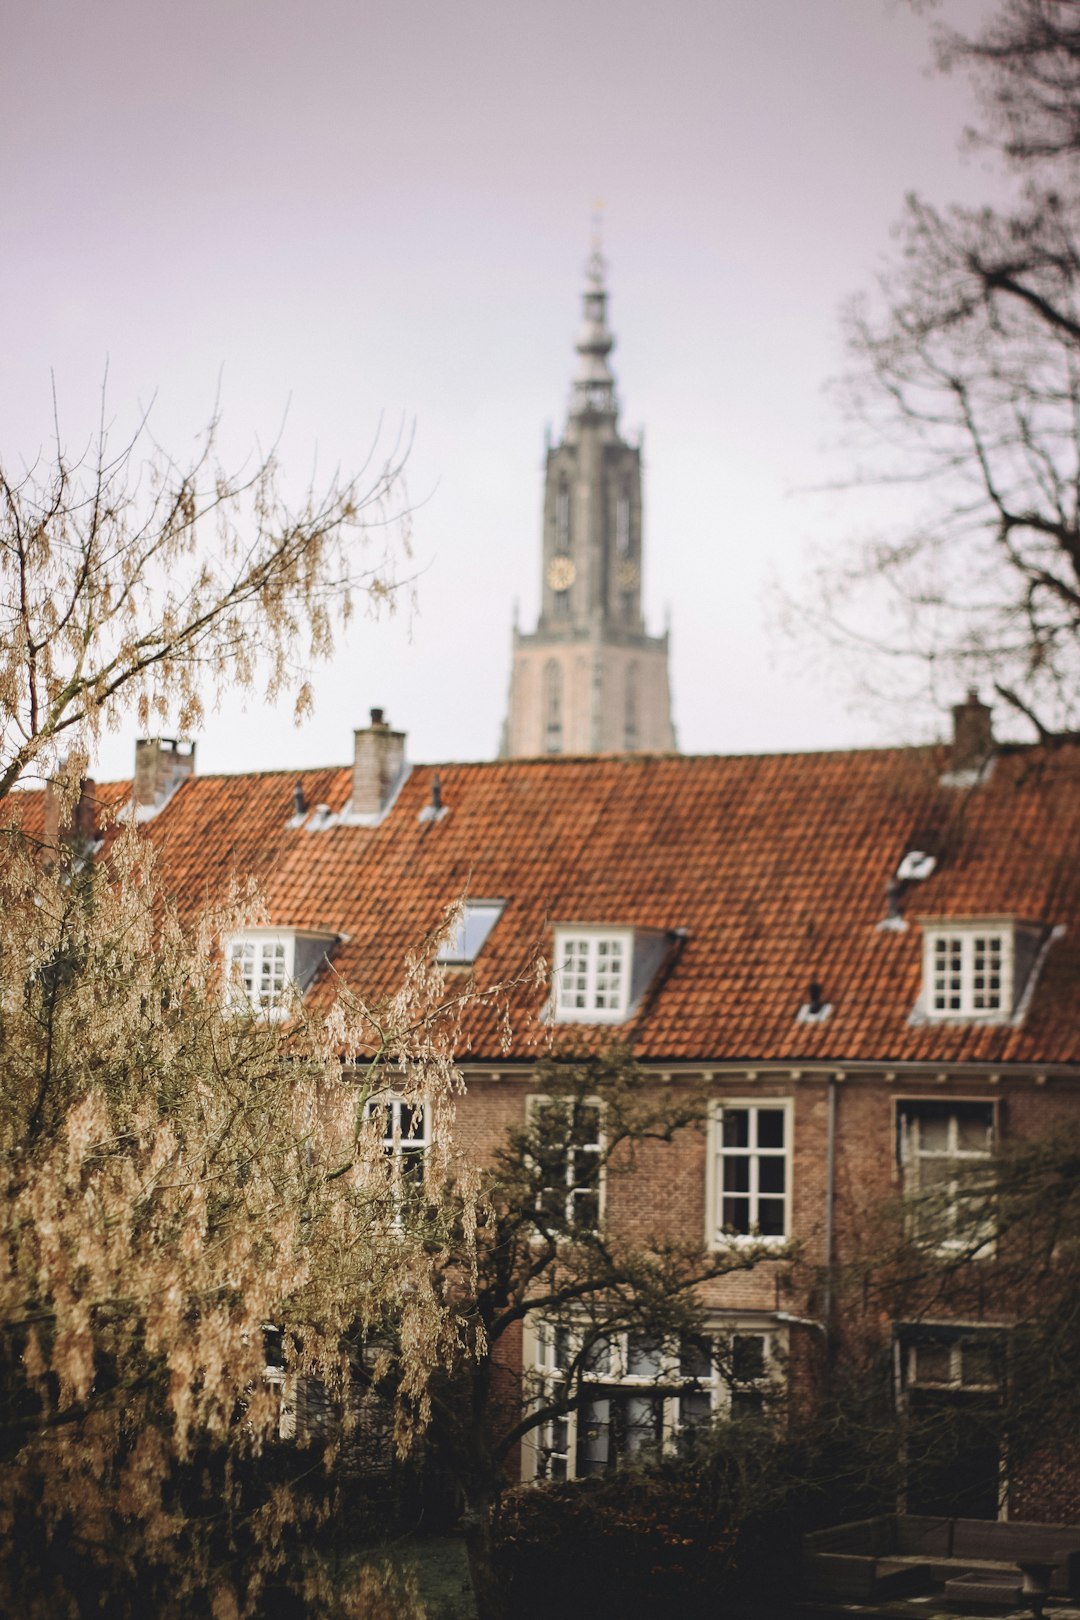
x,y
966,378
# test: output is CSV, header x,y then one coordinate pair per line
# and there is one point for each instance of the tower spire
x,y
593,389
590,678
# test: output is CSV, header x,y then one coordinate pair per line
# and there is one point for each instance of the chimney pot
x,y
377,717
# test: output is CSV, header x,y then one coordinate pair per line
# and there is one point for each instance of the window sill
x,y
740,1240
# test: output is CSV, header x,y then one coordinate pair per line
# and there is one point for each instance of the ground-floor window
x,y
629,1397
950,1380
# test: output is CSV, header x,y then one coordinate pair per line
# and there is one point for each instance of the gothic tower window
x,y
553,729
631,729
562,519
622,525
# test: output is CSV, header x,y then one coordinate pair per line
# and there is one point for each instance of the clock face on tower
x,y
627,576
561,573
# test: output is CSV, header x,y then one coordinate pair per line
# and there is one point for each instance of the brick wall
x,y
664,1194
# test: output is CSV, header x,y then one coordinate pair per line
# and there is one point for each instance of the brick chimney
x,y
79,826
378,760
161,764
973,735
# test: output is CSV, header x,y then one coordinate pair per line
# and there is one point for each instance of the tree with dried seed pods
x,y
130,581
188,1189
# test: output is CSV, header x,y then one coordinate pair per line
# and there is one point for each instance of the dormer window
x,y
266,967
968,972
977,969
477,919
592,975
260,970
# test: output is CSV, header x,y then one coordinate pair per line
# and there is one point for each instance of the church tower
x,y
589,679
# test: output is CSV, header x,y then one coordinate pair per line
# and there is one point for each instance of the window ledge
x,y
741,1240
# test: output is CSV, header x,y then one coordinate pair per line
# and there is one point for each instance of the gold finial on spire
x,y
598,225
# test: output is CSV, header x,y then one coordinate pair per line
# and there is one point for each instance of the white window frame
x,y
262,943
535,1105
550,1451
912,1155
715,1236
398,1145
582,989
401,1148
959,970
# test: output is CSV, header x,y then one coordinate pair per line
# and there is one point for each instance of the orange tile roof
x,y
775,865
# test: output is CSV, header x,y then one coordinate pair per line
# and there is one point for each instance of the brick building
x,y
867,962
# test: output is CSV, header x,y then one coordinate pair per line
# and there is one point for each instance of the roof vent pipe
x,y
895,891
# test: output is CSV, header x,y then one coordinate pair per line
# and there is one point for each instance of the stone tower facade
x,y
589,679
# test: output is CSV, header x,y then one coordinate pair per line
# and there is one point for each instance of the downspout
x,y
830,1191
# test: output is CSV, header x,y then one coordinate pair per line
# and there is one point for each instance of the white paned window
x,y
946,1151
477,919
405,1140
750,1166
592,976
630,1396
404,1129
261,971
570,1141
968,973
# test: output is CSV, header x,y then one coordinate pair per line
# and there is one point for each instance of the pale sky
x,y
353,211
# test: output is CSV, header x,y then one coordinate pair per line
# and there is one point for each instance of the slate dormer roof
x,y
774,866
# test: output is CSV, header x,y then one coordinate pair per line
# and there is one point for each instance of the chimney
x,y
973,736
161,764
79,826
378,759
